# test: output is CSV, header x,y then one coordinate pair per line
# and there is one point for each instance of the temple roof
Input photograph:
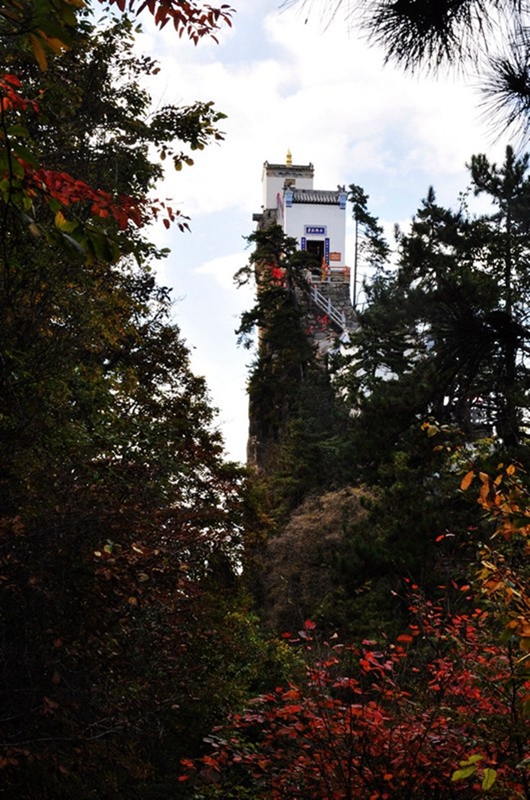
x,y
288,169
320,196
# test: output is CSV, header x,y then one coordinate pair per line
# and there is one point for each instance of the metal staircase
x,y
325,304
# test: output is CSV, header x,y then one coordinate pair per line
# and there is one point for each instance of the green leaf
x,y
17,169
461,774
490,776
474,759
17,130
25,154
64,225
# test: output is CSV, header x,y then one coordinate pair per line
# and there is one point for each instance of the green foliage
x,y
121,525
296,426
95,121
444,333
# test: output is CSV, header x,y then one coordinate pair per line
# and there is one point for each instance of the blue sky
x,y
321,92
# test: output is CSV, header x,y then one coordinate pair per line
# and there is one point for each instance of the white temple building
x,y
316,218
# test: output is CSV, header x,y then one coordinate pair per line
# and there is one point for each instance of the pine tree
x,y
444,334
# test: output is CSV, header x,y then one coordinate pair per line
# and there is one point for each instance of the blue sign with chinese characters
x,y
315,230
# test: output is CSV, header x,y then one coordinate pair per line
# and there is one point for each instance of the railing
x,y
338,317
333,275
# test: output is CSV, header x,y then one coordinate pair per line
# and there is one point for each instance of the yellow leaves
x,y
431,427
57,46
506,501
49,25
431,430
38,51
63,224
40,41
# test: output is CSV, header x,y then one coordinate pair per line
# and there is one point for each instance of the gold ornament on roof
x,y
289,158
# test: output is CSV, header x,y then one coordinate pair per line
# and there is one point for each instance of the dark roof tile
x,y
320,196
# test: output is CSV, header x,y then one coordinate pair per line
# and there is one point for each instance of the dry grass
x,y
298,572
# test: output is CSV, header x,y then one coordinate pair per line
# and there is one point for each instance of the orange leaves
x,y
521,627
505,500
467,480
291,694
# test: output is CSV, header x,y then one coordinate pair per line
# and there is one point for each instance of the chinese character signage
x,y
315,230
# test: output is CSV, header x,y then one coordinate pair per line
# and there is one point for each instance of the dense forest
x,y
351,620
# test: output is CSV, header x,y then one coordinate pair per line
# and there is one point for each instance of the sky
x,y
291,81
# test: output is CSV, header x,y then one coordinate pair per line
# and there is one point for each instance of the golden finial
x,y
289,158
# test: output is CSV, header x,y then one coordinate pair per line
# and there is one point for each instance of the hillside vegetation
x,y
350,619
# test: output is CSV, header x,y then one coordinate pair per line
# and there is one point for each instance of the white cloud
x,y
223,269
325,95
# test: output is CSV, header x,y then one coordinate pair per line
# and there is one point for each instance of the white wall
x,y
331,217
273,184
